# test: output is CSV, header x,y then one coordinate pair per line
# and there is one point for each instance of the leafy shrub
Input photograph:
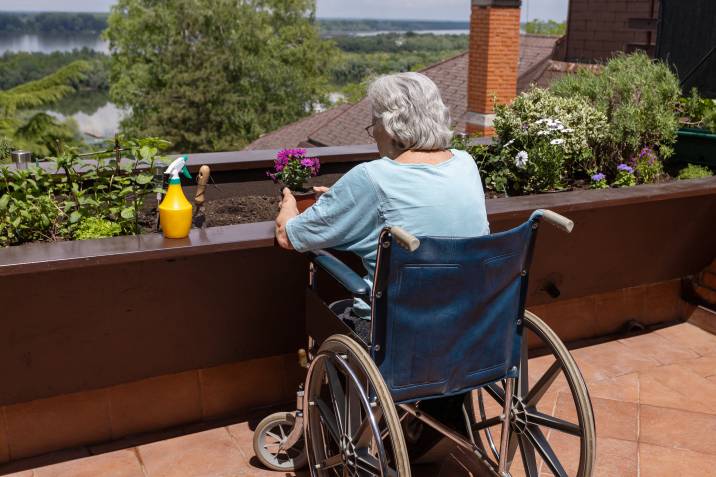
x,y
544,141
625,176
637,95
698,112
37,205
693,171
97,227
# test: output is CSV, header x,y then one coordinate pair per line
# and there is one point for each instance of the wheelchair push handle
x,y
559,221
405,239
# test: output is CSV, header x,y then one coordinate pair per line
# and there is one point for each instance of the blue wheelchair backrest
x,y
447,317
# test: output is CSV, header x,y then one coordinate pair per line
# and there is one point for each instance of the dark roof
x,y
295,134
346,125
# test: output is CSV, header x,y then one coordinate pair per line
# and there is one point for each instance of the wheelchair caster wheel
x,y
271,432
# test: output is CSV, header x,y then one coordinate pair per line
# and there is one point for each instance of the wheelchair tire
x,y
527,421
272,431
362,435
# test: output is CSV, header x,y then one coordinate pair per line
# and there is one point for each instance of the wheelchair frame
x,y
515,419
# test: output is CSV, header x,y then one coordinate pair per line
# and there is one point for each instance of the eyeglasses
x,y
369,129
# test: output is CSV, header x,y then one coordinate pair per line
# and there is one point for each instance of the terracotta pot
x,y
304,199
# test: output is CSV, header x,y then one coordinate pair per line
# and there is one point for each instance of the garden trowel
x,y
199,214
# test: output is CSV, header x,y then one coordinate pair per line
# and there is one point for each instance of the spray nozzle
x,y
179,165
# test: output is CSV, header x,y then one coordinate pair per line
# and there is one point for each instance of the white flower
x,y
556,142
509,142
543,120
567,130
542,133
521,159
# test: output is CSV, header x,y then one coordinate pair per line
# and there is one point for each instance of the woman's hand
x,y
320,190
287,211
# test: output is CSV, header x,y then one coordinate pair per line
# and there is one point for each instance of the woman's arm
x,y
288,211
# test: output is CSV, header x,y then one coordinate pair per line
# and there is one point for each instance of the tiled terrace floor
x,y
654,398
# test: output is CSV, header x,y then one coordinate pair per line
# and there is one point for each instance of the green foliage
x,y
21,67
625,178
37,205
698,112
647,166
53,22
6,148
637,95
693,171
332,26
544,141
545,27
212,75
96,228
401,43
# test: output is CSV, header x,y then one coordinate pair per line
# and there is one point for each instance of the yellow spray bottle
x,y
175,211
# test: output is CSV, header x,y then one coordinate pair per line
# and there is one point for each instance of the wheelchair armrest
x,y
349,279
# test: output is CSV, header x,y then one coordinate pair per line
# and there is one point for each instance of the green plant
x,y
647,166
694,171
97,227
545,141
625,176
599,181
637,96
292,168
698,112
37,205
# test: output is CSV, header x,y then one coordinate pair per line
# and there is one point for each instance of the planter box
x,y
696,146
87,318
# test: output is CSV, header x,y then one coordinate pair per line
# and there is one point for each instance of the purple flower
x,y
624,167
307,162
273,177
286,155
598,177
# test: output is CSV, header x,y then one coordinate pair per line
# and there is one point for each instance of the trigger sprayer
x,y
175,211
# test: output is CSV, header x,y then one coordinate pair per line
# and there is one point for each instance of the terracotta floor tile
x,y
622,388
24,473
24,465
678,429
122,463
657,461
692,337
614,419
659,348
205,454
704,366
610,360
676,387
615,458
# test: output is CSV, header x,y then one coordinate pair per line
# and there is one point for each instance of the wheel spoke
x,y
539,441
523,379
542,384
337,394
493,421
529,461
497,393
368,463
511,449
362,436
328,419
331,462
541,419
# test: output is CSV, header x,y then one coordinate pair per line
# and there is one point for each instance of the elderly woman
x,y
420,184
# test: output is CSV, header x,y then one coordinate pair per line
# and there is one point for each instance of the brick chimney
x,y
494,59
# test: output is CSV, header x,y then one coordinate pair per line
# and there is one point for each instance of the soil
x,y
229,211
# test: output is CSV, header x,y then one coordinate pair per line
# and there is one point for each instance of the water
x,y
47,43
97,118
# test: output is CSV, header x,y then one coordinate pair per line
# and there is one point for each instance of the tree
x,y
39,132
213,75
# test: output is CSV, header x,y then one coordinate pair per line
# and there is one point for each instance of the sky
x,y
393,9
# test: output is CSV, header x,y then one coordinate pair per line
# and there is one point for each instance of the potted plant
x,y
292,169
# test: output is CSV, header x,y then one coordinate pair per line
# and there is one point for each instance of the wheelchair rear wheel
x,y
351,423
545,406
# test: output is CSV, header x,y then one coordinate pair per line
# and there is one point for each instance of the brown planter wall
x,y
95,315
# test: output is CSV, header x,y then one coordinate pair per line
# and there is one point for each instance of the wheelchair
x,y
445,367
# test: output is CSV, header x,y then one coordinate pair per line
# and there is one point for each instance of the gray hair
x,y
412,111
